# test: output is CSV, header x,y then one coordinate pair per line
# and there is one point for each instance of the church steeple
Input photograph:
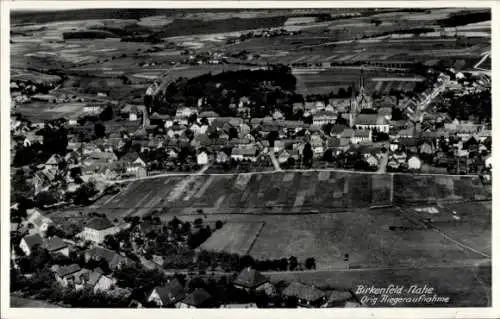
x,y
362,83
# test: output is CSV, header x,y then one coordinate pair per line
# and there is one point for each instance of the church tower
x,y
353,107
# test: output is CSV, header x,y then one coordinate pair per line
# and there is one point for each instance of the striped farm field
x,y
234,237
287,192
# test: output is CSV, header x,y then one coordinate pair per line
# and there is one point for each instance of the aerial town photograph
x,y
250,158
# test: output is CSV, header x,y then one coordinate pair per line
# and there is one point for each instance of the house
x,y
361,136
394,145
92,109
324,117
54,161
65,275
250,279
488,162
184,112
221,158
283,157
209,115
297,106
371,159
137,167
427,148
240,154
372,121
98,228
340,298
199,298
44,178
306,296
386,112
39,222
94,280
167,295
56,245
28,243
414,163
202,158
115,261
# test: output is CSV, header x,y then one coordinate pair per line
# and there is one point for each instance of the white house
x,y
40,223
488,161
184,112
202,158
414,163
97,229
92,109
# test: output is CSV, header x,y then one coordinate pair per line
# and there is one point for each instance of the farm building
x,y
199,298
114,260
250,280
56,245
28,243
92,108
306,296
167,295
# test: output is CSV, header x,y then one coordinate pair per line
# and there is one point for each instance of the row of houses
x,y
173,295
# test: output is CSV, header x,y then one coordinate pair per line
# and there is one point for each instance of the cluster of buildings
x,y
174,295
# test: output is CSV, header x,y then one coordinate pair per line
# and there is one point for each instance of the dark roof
x,y
99,223
198,298
361,133
339,296
250,278
370,119
113,258
33,240
55,243
338,128
68,270
170,292
304,292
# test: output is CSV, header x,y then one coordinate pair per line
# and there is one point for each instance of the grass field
x,y
364,235
234,237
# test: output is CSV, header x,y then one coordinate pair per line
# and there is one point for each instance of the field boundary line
x,y
259,232
437,230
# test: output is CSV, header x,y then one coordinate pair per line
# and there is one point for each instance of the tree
x,y
192,118
310,263
292,263
233,132
83,194
328,156
46,198
99,130
106,114
307,155
218,224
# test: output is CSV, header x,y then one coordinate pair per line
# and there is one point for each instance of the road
x,y
134,179
276,165
201,172
382,165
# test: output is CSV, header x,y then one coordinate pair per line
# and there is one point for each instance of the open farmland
x,y
337,205
427,188
234,237
290,192
39,111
